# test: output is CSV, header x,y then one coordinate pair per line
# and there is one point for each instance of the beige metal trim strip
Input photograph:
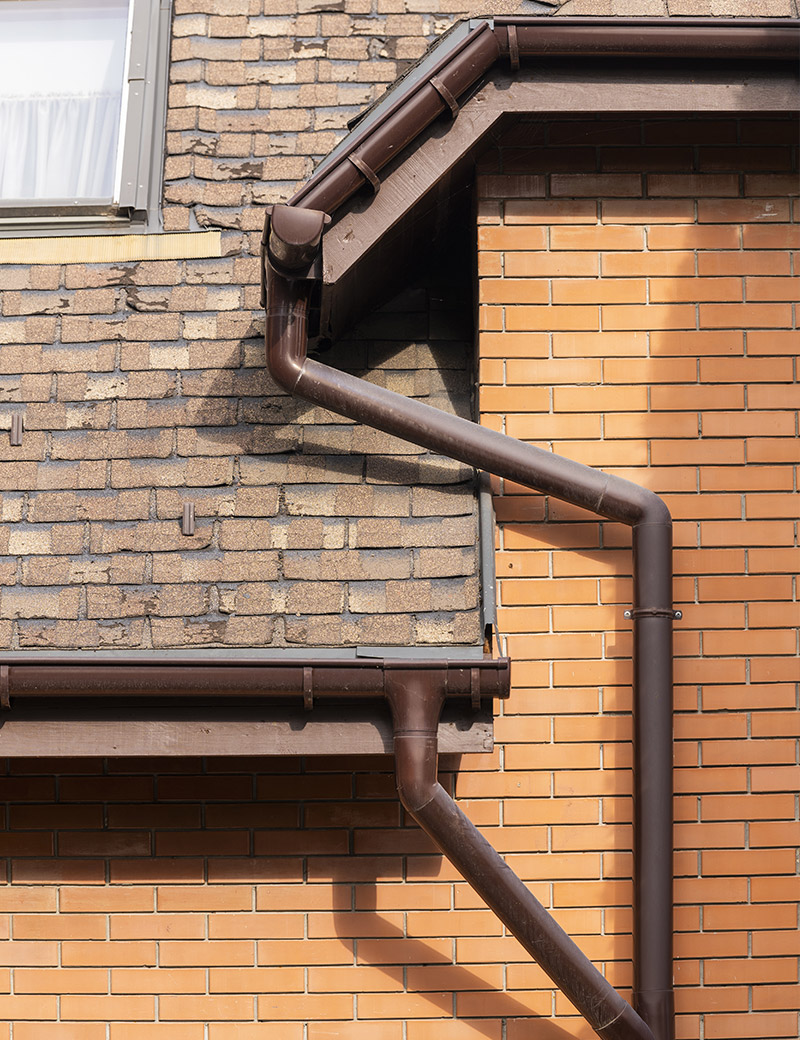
x,y
101,249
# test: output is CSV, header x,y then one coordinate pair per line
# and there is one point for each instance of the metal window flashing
x,y
440,654
81,248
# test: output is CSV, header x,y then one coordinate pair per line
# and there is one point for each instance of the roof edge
x,y
414,102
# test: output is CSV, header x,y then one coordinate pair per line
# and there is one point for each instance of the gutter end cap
x,y
294,237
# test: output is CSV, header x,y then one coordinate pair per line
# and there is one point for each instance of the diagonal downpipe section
x,y
416,700
292,243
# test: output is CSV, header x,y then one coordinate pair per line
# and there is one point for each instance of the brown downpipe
x,y
288,292
416,704
370,148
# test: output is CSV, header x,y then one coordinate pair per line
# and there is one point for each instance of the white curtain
x,y
62,68
59,147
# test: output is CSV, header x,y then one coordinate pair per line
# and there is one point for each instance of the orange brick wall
x,y
288,899
637,290
291,900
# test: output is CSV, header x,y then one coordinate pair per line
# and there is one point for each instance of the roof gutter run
x,y
288,291
403,119
310,680
405,114
728,39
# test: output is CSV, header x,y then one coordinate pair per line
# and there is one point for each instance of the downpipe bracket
x,y
639,612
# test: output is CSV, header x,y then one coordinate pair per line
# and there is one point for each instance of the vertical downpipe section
x,y
652,743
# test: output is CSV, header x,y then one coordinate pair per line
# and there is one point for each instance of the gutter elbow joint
x,y
632,504
416,699
292,243
654,510
284,363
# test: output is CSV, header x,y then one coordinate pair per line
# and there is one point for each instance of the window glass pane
x,y
62,71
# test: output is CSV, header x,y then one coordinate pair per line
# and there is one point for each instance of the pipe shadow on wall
x,y
335,837
432,978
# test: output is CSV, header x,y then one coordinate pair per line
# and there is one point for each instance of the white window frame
x,y
140,170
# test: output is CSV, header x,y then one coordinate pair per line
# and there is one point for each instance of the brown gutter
x,y
402,121
727,39
32,679
519,38
288,293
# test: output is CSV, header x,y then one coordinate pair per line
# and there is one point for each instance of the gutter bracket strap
x,y
475,688
513,48
667,612
446,96
367,172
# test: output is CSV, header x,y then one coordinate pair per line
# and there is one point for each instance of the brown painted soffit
x,y
398,171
